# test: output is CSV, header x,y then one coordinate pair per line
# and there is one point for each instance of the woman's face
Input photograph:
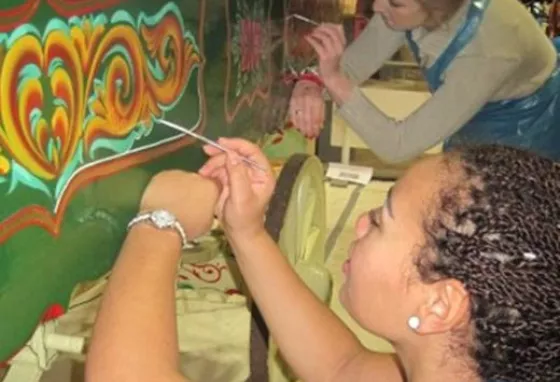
x,y
382,288
401,14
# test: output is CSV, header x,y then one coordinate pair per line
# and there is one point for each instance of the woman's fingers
x,y
328,40
213,163
247,150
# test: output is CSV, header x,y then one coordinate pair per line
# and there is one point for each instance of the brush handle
x,y
208,141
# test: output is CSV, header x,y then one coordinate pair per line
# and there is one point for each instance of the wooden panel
x,y
82,84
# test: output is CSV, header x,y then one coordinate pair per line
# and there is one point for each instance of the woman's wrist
x,y
154,241
333,79
242,237
339,87
312,77
308,74
307,87
195,212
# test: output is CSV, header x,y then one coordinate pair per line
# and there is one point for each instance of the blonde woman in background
x,y
492,72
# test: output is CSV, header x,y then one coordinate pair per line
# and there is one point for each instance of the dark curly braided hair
x,y
496,228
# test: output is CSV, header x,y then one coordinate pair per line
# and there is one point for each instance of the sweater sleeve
x,y
365,55
469,84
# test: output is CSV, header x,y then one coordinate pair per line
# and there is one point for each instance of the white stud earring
x,y
414,322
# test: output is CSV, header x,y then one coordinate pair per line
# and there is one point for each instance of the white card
x,y
349,173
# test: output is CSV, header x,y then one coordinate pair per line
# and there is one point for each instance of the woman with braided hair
x,y
459,270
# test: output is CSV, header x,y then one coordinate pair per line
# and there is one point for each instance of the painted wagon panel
x,y
82,84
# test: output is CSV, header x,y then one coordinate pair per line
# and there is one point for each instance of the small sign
x,y
348,173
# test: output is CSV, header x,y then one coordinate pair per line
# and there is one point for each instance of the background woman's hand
x,y
307,105
329,43
188,196
307,108
246,191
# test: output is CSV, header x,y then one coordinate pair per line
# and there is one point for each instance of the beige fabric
x,y
509,57
214,338
507,32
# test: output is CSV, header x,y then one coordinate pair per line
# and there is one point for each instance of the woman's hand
x,y
188,196
307,105
329,43
307,108
246,190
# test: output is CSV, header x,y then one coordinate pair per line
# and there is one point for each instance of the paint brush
x,y
280,37
208,141
303,18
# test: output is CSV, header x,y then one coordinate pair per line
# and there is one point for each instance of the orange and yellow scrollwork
x,y
82,82
100,84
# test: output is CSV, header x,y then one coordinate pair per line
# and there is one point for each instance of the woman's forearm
x,y
443,114
340,88
362,58
369,51
135,335
311,338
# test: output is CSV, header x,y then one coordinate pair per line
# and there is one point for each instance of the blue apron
x,y
531,123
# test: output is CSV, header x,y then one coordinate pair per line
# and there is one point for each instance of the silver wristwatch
x,y
162,219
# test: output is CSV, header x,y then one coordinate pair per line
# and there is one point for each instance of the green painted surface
x,y
77,132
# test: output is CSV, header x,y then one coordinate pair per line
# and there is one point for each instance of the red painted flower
x,y
53,312
251,44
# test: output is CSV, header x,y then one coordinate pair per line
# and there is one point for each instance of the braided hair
x,y
497,230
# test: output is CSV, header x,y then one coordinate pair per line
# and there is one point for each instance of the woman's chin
x,y
397,28
388,23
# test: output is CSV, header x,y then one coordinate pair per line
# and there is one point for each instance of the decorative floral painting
x,y
249,55
84,91
249,42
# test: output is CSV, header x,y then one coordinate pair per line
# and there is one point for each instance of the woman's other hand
x,y
188,196
329,43
246,191
307,105
307,108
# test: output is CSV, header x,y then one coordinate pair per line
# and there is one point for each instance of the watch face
x,y
162,218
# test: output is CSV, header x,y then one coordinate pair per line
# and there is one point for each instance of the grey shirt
x,y
509,57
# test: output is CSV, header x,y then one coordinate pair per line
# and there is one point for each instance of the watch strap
x,y
162,220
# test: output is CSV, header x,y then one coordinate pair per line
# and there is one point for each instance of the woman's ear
x,y
446,308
